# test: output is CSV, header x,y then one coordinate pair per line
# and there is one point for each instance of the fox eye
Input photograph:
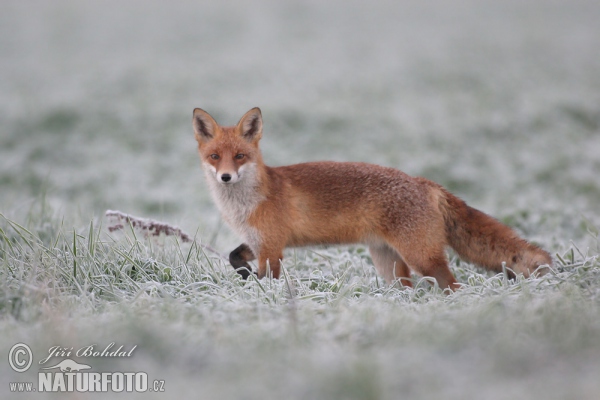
x,y
239,156
214,156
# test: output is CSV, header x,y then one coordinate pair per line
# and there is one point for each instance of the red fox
x,y
407,222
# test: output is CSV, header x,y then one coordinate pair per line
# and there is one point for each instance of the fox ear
x,y
250,125
204,125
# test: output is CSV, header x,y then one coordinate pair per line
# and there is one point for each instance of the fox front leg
x,y
239,259
269,261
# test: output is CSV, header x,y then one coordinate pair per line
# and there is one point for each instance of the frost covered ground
x,y
498,101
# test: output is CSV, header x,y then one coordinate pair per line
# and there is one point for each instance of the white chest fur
x,y
237,201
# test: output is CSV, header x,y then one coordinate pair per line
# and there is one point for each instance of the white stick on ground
x,y
148,227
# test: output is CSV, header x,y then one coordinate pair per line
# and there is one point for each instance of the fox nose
x,y
225,177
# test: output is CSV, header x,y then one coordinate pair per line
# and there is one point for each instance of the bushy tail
x,y
483,240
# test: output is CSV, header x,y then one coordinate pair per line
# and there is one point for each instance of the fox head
x,y
228,153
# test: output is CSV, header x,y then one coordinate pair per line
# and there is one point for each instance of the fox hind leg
x,y
239,259
435,266
429,262
390,264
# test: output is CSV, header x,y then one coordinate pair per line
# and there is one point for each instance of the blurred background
x,y
498,101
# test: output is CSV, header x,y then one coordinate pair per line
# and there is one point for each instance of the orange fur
x,y
407,222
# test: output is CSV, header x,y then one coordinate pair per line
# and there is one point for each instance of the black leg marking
x,y
239,260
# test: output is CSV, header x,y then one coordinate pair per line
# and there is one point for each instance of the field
x,y
497,101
